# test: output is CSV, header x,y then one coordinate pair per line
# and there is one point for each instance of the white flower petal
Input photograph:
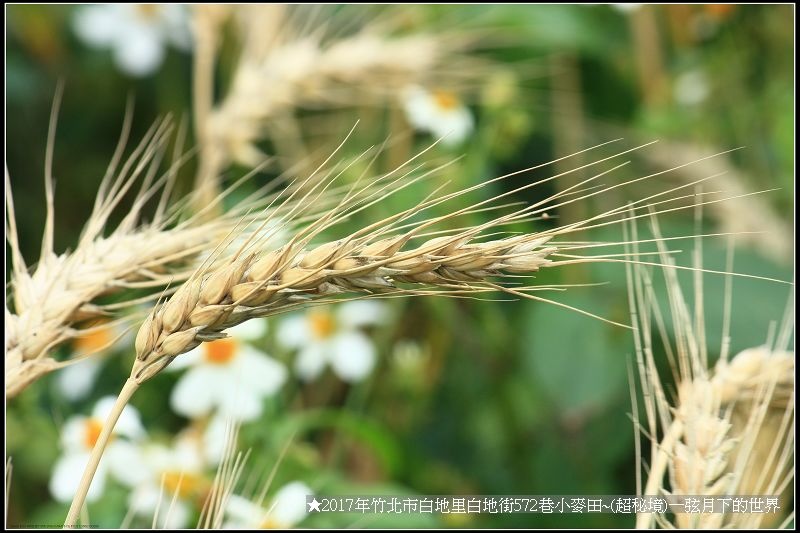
x,y
190,358
294,331
173,514
352,356
147,498
125,462
196,392
243,511
129,423
249,330
453,126
261,372
419,108
450,121
239,403
155,458
289,504
76,380
140,52
97,25
67,474
175,25
73,434
626,8
310,361
361,313
215,439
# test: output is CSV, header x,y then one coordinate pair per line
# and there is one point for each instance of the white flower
x,y
76,380
136,33
626,8
324,337
174,477
691,88
228,374
78,437
441,113
287,509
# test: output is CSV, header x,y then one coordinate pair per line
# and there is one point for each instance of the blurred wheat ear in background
x,y
727,429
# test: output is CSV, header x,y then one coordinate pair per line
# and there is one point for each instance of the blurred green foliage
x,y
511,397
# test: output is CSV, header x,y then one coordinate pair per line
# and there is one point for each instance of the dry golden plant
x,y
113,269
376,261
53,301
729,429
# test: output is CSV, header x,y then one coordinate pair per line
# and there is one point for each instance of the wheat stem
x,y
123,398
658,469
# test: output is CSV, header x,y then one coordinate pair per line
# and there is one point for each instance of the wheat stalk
x,y
728,432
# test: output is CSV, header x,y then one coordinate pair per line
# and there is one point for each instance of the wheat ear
x,y
728,431
284,65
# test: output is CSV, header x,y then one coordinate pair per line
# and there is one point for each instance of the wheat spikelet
x,y
728,431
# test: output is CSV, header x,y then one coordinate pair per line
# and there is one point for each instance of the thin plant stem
x,y
206,182
657,470
124,397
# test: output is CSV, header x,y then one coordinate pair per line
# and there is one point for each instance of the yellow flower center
x,y
322,324
94,341
184,484
271,523
446,100
220,352
92,432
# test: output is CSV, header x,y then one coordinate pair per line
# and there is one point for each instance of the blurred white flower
x,y
626,8
76,380
137,34
228,374
173,479
691,88
439,112
78,437
324,337
286,509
